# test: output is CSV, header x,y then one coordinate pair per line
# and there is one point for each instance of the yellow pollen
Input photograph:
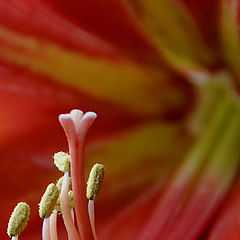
x,y
60,181
48,201
58,206
95,181
61,161
70,197
18,220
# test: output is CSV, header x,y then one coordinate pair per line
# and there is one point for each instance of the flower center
x,y
77,213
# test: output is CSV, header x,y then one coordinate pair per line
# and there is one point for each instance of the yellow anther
x,y
71,202
59,183
48,201
70,198
18,220
58,205
95,181
61,161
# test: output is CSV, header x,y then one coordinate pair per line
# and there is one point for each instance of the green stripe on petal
x,y
174,33
140,156
229,34
140,89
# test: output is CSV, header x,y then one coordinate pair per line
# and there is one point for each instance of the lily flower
x,y
163,77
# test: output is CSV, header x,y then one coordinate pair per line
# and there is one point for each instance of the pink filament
x,y
91,212
45,229
53,226
67,217
76,126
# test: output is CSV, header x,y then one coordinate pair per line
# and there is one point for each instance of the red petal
x,y
227,225
206,15
30,134
112,20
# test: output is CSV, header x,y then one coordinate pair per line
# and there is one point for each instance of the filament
x,y
67,217
53,226
46,229
91,213
76,127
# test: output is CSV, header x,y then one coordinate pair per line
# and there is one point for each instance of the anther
x,y
18,220
62,161
57,206
48,201
70,198
95,181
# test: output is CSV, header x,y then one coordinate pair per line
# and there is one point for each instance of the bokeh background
x,y
126,61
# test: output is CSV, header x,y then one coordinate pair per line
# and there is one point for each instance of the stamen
x,y
70,199
95,181
53,226
65,207
46,229
18,220
61,161
48,201
46,206
93,188
91,212
59,183
76,127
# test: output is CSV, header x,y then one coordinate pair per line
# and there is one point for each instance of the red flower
x,y
160,75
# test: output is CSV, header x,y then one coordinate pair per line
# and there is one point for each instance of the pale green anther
x,y
59,183
57,206
18,220
61,161
48,201
70,198
95,181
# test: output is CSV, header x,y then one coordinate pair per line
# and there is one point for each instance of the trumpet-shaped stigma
x,y
76,126
19,219
48,201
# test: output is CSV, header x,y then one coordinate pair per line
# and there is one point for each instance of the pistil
x,y
76,126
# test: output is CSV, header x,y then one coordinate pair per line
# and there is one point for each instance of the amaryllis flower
x,y
163,77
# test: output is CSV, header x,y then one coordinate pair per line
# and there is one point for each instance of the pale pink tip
x,y
64,116
76,116
90,115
